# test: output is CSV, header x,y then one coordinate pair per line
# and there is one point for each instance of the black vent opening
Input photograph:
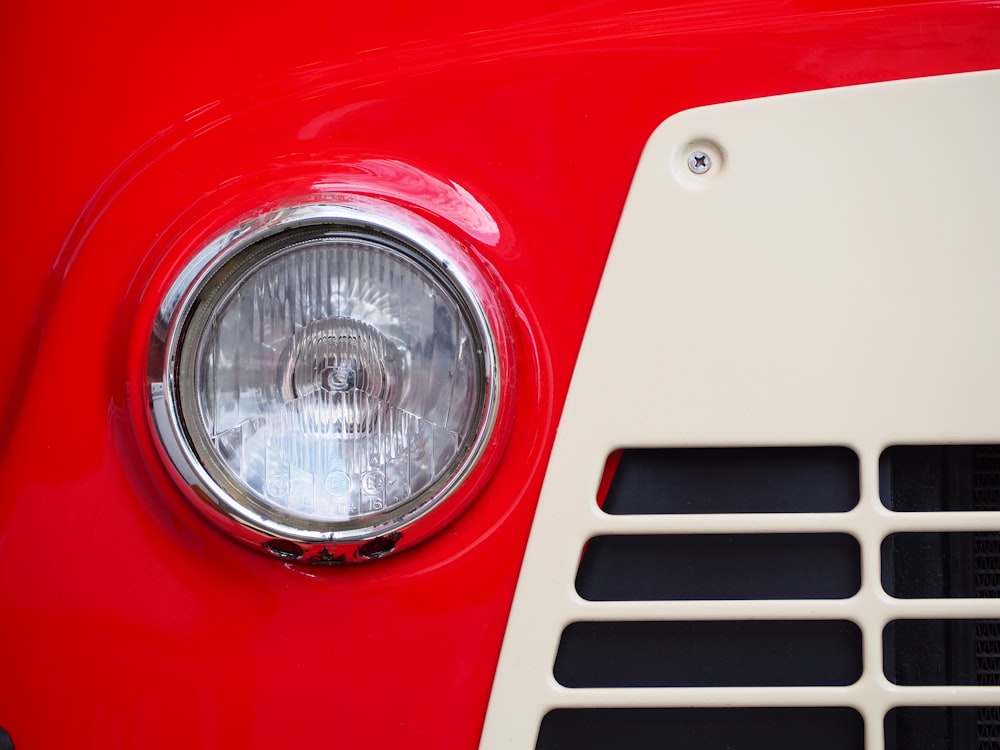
x,y
942,652
703,654
914,478
935,565
733,480
701,729
943,728
720,566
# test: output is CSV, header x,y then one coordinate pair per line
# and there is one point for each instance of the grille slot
x,y
719,566
930,652
943,728
705,654
932,565
915,478
700,728
800,479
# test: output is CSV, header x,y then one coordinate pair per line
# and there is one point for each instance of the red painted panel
x,y
125,619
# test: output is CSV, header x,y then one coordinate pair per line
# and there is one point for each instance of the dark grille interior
x,y
701,729
942,728
988,727
930,652
942,652
986,554
704,654
720,566
940,477
734,480
936,565
988,652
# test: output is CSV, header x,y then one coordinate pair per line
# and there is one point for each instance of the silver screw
x,y
699,162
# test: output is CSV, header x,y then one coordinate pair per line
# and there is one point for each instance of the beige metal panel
x,y
833,279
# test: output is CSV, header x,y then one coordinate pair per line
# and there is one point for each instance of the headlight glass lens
x,y
330,379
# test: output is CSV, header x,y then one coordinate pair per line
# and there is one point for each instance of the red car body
x,y
132,133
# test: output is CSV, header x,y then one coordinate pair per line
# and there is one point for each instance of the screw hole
x,y
284,549
379,547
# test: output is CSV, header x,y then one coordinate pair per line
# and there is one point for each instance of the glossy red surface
x,y
126,620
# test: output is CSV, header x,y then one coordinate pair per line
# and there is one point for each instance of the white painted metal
x,y
833,279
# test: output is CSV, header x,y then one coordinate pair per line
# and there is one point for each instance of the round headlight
x,y
325,377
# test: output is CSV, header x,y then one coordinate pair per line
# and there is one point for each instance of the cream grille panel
x,y
834,279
